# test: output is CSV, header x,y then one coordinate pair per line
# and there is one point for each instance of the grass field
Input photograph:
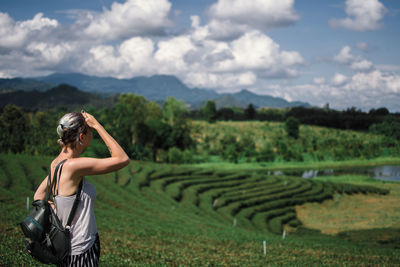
x,y
185,215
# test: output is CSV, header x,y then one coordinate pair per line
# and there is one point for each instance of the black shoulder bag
x,y
45,237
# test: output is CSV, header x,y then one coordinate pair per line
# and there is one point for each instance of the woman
x,y
75,131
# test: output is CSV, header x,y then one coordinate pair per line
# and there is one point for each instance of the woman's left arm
x,y
41,191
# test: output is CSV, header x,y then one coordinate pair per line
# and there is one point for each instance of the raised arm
x,y
92,166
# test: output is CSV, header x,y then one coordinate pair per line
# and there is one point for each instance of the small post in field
x,y
234,222
27,203
284,234
215,202
265,247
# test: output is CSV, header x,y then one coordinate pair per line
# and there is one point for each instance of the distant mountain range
x,y
154,88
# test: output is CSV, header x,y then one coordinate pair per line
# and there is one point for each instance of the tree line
x,y
379,121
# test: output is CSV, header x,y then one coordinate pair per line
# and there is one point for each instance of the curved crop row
x,y
274,191
270,183
185,185
306,186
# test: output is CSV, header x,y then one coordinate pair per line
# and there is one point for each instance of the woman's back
x,y
83,228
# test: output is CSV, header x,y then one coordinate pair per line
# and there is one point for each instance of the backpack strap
x,y
51,182
75,205
58,180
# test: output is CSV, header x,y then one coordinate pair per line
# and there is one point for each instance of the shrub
x,y
246,146
292,127
187,156
175,155
231,153
266,153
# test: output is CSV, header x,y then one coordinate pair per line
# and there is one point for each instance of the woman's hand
x,y
90,120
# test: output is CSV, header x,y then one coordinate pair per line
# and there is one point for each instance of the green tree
x,y
175,114
292,127
42,134
174,111
209,111
154,134
153,111
250,112
226,114
390,128
123,119
14,128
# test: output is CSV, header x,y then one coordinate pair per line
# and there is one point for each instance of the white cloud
x,y
33,47
319,80
207,63
15,34
339,79
388,67
132,57
375,81
256,51
231,18
138,54
171,53
102,59
38,22
344,56
363,90
363,15
224,82
225,29
132,18
365,47
49,53
357,63
199,33
259,14
362,65
4,75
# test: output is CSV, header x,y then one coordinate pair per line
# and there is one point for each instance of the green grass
x,y
163,215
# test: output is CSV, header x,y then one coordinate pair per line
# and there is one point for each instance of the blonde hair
x,y
70,126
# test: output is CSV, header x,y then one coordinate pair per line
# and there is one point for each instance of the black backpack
x,y
45,237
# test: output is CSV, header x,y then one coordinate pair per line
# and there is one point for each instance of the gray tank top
x,y
83,227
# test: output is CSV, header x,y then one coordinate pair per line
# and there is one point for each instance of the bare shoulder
x,y
75,164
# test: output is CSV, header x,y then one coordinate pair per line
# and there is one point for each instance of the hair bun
x,y
60,130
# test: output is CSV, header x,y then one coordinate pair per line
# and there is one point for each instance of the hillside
x,y
157,214
156,88
61,96
16,84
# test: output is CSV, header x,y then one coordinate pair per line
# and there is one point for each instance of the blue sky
x,y
341,52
